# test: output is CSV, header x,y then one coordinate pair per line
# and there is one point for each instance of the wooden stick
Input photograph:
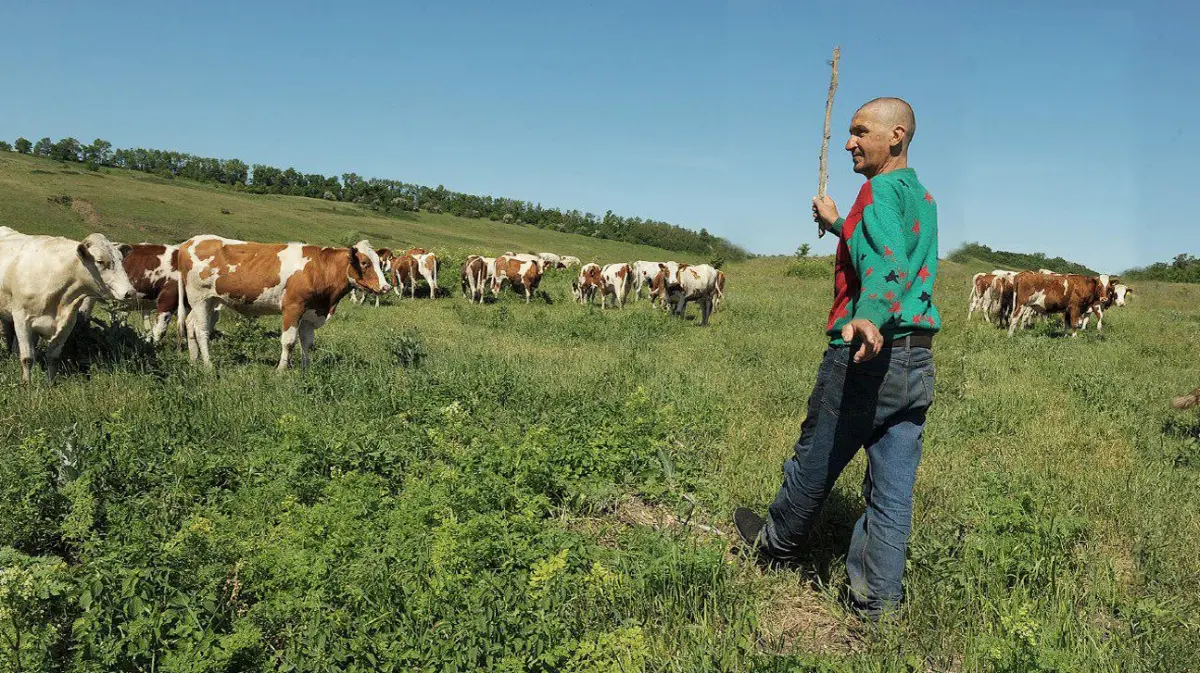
x,y
823,173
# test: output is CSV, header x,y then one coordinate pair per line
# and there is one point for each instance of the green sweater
x,y
887,258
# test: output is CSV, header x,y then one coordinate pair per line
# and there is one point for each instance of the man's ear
x,y
896,141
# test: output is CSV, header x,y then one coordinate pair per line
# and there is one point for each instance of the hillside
x,y
983,257
134,207
1184,268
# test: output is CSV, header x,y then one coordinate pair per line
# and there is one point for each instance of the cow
x,y
528,257
303,283
589,282
981,295
570,260
1001,297
616,280
154,272
413,266
473,276
719,296
1069,294
1116,297
551,260
696,283
44,280
524,274
385,263
1187,401
660,291
643,277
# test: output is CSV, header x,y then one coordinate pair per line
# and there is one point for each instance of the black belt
x,y
919,340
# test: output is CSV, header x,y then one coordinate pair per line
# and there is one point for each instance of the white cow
x,y
45,280
527,257
570,261
696,283
616,279
551,260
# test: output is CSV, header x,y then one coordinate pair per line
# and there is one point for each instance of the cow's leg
x,y
307,332
8,335
706,305
57,341
681,306
200,325
1015,322
528,292
26,345
289,334
1099,319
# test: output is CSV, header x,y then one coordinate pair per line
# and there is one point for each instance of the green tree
x,y
43,147
99,152
803,250
67,149
23,145
5,146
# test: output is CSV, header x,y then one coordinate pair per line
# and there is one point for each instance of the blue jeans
x,y
879,404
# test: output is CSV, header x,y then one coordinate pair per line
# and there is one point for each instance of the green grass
x,y
499,487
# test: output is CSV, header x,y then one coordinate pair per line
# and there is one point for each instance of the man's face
x,y
870,143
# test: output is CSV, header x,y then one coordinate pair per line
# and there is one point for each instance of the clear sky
x,y
1064,127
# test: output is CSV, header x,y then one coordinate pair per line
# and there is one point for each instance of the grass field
x,y
547,487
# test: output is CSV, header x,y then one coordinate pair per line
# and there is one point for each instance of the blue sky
x,y
1063,127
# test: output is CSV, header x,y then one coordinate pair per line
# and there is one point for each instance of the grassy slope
x,y
1057,518
134,207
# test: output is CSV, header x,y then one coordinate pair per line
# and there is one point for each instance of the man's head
x,y
880,134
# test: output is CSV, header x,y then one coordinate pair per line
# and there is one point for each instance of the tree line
x,y
1184,268
1016,261
382,195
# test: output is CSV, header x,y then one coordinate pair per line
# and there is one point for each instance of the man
x,y
875,383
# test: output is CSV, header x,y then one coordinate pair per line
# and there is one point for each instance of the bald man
x,y
875,383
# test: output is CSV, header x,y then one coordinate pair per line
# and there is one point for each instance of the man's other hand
x,y
825,212
868,333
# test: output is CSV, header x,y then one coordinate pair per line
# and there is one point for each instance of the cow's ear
x,y
83,252
125,249
662,266
354,262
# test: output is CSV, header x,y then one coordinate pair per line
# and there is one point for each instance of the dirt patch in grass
x,y
793,619
86,210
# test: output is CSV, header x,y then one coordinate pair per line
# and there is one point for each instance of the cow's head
x,y
1122,293
102,259
365,271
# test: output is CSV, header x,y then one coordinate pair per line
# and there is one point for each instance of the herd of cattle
x,y
1013,298
48,282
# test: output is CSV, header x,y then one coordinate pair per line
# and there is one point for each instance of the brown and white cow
x,y
719,296
410,268
1002,296
524,274
1117,296
588,283
303,283
643,277
980,299
44,281
385,263
153,270
616,279
1068,294
473,277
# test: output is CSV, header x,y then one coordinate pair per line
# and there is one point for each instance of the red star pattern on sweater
x,y
890,295
895,307
887,252
917,227
868,272
923,274
929,197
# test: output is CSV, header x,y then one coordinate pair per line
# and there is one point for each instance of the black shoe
x,y
748,525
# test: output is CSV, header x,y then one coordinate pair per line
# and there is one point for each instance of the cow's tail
x,y
182,311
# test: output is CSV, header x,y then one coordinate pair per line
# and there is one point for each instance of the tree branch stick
x,y
823,172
